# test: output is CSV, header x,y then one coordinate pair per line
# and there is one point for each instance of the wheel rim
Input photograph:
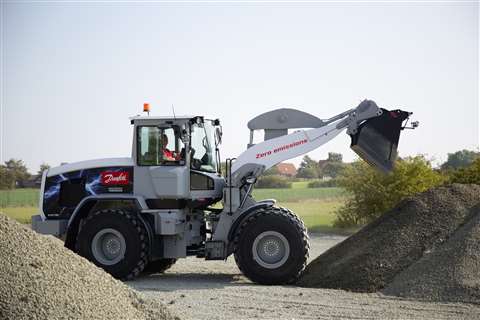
x,y
270,249
108,246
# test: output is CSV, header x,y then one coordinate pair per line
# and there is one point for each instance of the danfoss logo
x,y
114,178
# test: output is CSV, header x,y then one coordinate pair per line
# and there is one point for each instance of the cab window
x,y
159,146
203,147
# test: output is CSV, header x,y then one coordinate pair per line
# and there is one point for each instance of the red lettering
x,y
281,148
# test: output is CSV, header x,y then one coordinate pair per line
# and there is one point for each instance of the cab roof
x,y
160,120
185,117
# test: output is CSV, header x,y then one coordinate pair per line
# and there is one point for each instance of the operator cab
x,y
177,161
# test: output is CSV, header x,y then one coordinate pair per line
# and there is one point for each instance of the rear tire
x,y
159,266
116,241
271,246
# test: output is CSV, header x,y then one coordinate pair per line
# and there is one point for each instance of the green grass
x,y
19,198
21,214
19,204
301,184
314,212
299,194
316,206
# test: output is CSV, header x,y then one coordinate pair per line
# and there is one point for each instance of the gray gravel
x,y
199,289
40,279
449,272
370,259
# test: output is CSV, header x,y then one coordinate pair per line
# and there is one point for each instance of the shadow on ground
x,y
182,281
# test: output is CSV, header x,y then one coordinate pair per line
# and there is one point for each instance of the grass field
x,y
316,206
299,192
18,198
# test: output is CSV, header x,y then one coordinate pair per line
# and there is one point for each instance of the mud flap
x,y
376,140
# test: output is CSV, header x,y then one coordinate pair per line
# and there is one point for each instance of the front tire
x,y
116,241
271,246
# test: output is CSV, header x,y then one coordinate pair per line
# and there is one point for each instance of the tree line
x,y
14,172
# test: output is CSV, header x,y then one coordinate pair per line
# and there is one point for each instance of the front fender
x,y
244,215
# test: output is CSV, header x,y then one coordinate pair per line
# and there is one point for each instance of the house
x,y
286,169
322,164
34,181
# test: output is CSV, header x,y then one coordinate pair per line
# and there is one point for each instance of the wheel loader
x,y
169,200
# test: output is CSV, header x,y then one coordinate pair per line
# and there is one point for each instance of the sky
x,y
73,73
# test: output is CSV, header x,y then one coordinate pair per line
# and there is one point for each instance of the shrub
x,y
307,173
374,192
333,169
470,174
323,183
273,181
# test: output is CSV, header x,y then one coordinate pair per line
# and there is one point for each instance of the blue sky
x,y
72,73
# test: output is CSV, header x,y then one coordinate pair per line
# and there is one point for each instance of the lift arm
x,y
260,157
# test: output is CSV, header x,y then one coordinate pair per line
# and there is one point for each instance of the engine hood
x,y
89,164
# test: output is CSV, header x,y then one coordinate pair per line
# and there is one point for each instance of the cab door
x,y
161,175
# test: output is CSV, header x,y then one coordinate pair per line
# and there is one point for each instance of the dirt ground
x,y
198,289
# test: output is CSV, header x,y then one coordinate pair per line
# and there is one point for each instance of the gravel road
x,y
199,289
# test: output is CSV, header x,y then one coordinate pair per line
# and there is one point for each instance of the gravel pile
x,y
40,279
450,272
414,239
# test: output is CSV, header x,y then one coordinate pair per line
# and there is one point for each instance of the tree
x,y
7,178
308,168
44,166
332,169
307,173
460,159
18,169
374,193
308,162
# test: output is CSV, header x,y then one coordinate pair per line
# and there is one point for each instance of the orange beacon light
x,y
146,108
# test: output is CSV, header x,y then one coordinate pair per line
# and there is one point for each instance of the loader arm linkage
x,y
384,134
374,136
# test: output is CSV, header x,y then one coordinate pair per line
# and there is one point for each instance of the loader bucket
x,y
376,140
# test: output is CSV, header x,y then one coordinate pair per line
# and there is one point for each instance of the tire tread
x,y
139,227
285,214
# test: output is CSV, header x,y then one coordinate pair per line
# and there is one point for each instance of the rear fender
x,y
87,204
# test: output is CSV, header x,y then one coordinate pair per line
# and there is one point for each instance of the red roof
x,y
287,169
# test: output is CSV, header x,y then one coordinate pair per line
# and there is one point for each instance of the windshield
x,y
203,146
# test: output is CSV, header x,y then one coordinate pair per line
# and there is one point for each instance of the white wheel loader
x,y
142,213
